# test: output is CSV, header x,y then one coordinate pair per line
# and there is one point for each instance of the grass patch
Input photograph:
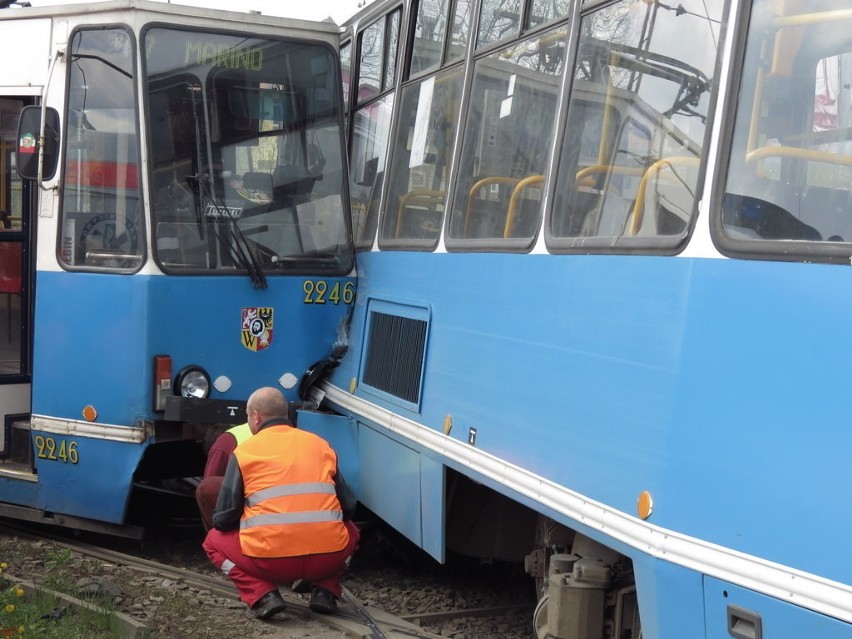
x,y
31,612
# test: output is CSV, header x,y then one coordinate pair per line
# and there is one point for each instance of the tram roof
x,y
166,10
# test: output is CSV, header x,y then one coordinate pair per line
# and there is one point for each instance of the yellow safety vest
x,y
240,433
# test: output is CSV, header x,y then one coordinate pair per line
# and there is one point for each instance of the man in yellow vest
x,y
207,491
284,513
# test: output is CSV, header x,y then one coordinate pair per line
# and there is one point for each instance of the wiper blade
x,y
322,258
250,261
239,247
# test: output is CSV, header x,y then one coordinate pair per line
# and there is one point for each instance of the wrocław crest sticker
x,y
256,327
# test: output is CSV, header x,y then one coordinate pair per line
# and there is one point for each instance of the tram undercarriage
x,y
584,589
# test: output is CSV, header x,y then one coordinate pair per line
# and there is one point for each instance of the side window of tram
x,y
11,245
11,199
421,157
101,209
509,130
371,124
637,114
791,160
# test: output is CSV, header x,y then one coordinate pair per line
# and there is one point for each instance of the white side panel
x,y
27,42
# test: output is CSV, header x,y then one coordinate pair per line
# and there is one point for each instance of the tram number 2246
x,y
320,292
56,449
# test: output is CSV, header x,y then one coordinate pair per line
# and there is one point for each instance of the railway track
x,y
353,618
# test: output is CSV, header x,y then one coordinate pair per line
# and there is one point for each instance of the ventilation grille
x,y
394,361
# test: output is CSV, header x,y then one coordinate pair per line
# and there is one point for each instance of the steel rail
x,y
353,618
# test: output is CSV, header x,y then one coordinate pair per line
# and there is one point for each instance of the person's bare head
x,y
265,403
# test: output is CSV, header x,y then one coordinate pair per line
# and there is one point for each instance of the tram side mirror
x,y
29,128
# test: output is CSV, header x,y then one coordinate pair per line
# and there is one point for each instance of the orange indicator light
x,y
645,504
89,413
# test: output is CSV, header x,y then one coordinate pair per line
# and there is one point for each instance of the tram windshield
x,y
246,154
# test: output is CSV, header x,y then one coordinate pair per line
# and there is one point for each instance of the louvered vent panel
x,y
395,355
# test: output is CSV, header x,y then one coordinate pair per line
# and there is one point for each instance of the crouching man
x,y
284,513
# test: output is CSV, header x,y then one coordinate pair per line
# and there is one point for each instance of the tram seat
x,y
428,201
748,216
257,181
10,276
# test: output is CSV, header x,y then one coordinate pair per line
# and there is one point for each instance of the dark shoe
x,y
301,586
271,603
323,602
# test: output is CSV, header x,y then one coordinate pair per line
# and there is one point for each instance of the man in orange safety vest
x,y
284,513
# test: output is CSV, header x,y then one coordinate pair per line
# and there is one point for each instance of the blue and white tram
x,y
180,236
602,311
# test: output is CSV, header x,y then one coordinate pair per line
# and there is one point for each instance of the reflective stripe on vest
x,y
291,489
292,518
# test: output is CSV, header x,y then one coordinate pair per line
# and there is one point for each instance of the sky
x,y
338,10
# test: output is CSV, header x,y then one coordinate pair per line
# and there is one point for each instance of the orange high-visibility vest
x,y
291,507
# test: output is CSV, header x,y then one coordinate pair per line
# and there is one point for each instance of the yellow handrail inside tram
x,y
799,154
532,180
638,212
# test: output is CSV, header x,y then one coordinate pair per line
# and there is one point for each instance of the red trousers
x,y
256,576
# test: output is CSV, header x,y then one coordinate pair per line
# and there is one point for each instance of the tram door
x,y
15,297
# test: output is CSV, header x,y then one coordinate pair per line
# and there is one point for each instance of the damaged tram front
x,y
179,237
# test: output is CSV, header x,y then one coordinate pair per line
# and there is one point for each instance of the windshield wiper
x,y
313,258
238,245
250,260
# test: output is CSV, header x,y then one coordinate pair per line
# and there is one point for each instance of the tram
x,y
175,235
603,299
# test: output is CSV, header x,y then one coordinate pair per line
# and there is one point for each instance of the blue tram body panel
x,y
342,435
98,335
776,619
94,483
672,598
612,375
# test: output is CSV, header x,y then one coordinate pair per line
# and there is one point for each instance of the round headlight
x,y
193,381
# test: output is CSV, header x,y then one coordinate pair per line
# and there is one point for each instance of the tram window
x,y
377,63
429,32
498,20
508,132
370,62
346,69
11,189
391,48
101,225
544,11
370,135
461,29
420,160
247,173
629,164
790,167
